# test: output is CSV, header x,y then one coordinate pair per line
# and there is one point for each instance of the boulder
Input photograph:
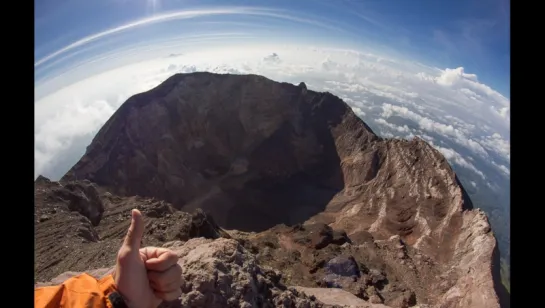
x,y
82,197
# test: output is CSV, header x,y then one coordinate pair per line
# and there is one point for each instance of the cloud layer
x,y
429,101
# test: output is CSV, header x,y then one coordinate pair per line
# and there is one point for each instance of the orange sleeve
x,y
79,291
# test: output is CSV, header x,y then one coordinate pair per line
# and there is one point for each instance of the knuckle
x,y
172,256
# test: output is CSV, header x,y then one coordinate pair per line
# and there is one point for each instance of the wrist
x,y
113,298
117,300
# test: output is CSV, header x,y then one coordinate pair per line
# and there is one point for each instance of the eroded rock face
x,y
81,197
66,240
254,153
203,225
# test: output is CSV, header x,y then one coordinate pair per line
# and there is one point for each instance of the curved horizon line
x,y
184,14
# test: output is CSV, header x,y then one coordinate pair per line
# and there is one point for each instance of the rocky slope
x,y
254,154
218,270
79,227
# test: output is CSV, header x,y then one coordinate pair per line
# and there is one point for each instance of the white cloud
x,y
492,186
57,134
272,58
502,112
496,143
468,82
400,129
454,157
430,125
387,135
450,77
426,137
502,168
358,111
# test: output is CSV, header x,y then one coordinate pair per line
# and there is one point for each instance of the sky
x,y
435,69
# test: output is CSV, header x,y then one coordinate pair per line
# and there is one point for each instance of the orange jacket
x,y
80,291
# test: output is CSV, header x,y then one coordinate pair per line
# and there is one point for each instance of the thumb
x,y
136,231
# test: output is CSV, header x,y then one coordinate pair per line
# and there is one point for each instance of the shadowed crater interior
x,y
251,152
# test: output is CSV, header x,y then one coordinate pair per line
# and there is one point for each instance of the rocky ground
x,y
316,256
302,185
79,228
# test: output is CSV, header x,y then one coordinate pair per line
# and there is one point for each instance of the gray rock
x,y
82,197
343,266
221,273
337,297
341,272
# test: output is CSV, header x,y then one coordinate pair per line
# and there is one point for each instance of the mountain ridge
x,y
256,154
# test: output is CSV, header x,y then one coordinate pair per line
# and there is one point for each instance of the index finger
x,y
159,259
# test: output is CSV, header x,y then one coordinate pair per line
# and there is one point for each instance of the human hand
x,y
164,272
145,277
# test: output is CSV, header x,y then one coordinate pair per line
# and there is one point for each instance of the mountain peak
x,y
300,168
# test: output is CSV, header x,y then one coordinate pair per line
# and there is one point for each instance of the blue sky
x,y
471,34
